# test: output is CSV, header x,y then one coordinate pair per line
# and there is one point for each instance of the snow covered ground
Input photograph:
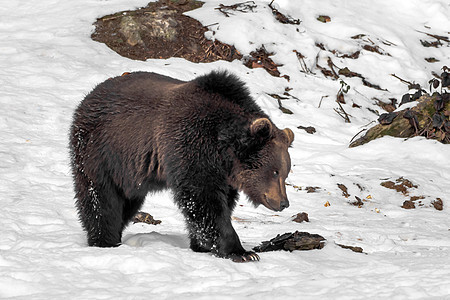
x,y
49,63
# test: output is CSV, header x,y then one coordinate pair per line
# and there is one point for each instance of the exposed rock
x,y
163,24
130,29
423,119
161,30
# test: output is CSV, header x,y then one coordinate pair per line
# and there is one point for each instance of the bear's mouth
x,y
265,201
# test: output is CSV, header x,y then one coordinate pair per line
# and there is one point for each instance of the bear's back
x,y
150,98
134,87
126,94
140,90
230,87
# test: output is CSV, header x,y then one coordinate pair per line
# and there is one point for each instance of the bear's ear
x,y
289,134
261,127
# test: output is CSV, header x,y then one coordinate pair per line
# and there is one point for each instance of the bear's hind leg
x,y
100,211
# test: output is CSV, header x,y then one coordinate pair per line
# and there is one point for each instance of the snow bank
x,y
49,64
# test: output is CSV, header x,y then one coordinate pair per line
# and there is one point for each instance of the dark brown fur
x,y
205,140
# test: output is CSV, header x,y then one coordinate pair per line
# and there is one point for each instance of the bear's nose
x,y
284,204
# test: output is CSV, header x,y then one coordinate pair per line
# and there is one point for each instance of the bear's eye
x,y
276,173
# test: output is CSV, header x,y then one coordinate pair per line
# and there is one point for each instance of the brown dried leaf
x,y
344,190
301,217
438,204
143,217
324,19
408,204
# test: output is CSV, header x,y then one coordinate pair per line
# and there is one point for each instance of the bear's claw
x,y
246,257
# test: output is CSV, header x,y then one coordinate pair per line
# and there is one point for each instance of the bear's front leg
x,y
229,245
209,223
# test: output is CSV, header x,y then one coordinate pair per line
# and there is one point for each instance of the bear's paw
x,y
246,257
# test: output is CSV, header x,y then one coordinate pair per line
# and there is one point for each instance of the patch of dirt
x,y
160,30
261,59
401,185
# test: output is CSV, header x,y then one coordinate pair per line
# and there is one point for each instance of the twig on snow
x,y
402,80
242,7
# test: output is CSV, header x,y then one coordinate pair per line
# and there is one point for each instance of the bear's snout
x,y
275,197
275,204
284,204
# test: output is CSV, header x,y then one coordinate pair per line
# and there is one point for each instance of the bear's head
x,y
265,165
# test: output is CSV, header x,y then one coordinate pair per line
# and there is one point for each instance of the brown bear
x,y
205,139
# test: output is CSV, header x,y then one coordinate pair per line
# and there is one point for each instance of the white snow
x,y
49,63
